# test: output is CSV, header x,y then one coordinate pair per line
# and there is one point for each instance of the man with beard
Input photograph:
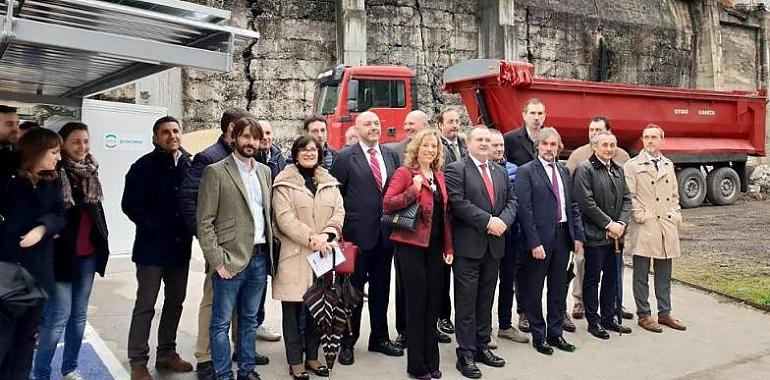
x,y
9,134
235,237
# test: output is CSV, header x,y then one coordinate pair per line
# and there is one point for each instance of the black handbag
x,y
18,290
404,219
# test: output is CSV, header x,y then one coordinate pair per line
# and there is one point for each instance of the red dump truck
x,y
709,134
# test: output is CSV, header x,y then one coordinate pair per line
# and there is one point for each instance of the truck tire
x,y
723,186
692,187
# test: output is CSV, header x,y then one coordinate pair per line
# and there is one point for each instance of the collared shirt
x,y
254,190
650,157
562,199
489,174
380,159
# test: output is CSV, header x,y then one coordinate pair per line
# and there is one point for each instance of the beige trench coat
x,y
653,230
298,215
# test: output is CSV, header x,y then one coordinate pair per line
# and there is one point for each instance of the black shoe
x,y
258,359
298,376
542,346
523,323
400,341
467,368
568,325
618,328
346,356
322,371
561,344
443,338
253,375
488,358
205,371
445,326
599,332
388,348
627,314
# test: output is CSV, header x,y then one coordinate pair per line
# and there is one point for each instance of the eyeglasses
x,y
309,150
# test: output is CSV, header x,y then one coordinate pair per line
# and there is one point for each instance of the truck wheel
x,y
692,187
723,186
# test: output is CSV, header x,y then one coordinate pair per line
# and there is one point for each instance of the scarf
x,y
85,174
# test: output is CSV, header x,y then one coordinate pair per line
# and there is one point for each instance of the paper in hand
x,y
322,265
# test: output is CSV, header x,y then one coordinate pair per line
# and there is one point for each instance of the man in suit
x,y
454,146
483,205
550,228
363,171
235,237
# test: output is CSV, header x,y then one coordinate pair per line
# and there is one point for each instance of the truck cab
x,y
343,92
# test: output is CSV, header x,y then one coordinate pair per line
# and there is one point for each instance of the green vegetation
x,y
744,283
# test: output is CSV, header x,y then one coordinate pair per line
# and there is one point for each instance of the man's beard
x,y
242,150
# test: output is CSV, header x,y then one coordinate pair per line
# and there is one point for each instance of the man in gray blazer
x,y
234,231
483,205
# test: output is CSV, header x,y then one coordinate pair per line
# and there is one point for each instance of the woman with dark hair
x,y
308,213
80,252
33,213
422,253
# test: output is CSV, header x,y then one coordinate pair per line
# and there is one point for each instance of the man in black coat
x,y
363,171
162,246
9,133
550,229
269,153
483,205
315,125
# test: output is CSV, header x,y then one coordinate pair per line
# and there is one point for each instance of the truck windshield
x,y
326,98
380,94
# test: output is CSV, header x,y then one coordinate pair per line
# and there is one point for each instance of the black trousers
x,y
400,299
446,300
148,278
553,269
422,272
600,262
301,343
507,283
474,281
17,343
372,266
520,276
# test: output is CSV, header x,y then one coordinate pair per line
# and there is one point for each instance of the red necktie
x,y
375,165
488,184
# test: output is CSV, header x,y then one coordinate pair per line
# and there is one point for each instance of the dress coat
x,y
653,230
519,149
298,215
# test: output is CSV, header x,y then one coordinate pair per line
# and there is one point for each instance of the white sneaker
x,y
74,375
267,334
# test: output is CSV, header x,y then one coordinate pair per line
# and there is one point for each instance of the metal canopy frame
x,y
60,51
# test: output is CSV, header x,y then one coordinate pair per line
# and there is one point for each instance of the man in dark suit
x,y
455,146
550,228
483,205
363,171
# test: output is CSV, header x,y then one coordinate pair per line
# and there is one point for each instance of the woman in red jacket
x,y
422,253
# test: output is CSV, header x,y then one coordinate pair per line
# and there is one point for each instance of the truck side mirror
x,y
353,89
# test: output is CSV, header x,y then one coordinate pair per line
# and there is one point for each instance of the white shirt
x,y
380,159
489,175
562,199
254,190
650,157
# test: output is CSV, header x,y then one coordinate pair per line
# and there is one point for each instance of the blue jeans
x,y
245,290
66,312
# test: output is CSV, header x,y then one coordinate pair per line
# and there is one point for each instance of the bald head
x,y
414,122
267,135
369,129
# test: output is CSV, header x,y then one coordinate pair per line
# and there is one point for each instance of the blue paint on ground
x,y
90,364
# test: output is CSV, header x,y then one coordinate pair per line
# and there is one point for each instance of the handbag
x,y
350,251
18,290
404,219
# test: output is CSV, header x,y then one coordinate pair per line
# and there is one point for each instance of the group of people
x,y
491,206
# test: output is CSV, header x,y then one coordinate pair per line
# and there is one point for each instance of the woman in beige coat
x,y
308,213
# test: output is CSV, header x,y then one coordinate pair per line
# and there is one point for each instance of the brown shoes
x,y
578,311
672,322
140,373
649,324
173,362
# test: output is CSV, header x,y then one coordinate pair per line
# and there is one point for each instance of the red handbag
x,y
350,251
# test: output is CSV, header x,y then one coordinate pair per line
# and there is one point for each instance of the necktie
x,y
655,162
555,188
456,150
375,165
488,184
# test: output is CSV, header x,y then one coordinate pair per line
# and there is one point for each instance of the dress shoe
x,y
512,334
173,362
672,322
320,371
492,343
140,373
261,359
253,375
489,358
467,368
649,324
443,338
561,344
446,326
400,341
436,374
524,323
616,327
205,370
267,334
627,314
346,356
302,375
424,376
387,347
599,332
567,325
578,311
542,346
